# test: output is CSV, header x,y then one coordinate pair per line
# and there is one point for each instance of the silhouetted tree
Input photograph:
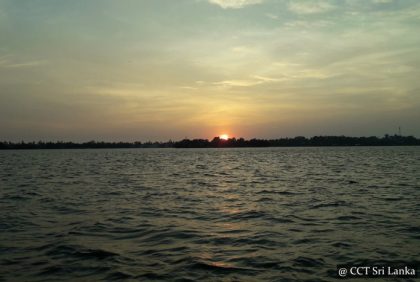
x,y
216,142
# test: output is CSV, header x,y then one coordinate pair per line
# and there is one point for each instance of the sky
x,y
163,69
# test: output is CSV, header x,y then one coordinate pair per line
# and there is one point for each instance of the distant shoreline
x,y
299,141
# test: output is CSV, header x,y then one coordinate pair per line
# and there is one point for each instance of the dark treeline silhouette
x,y
395,140
387,140
85,145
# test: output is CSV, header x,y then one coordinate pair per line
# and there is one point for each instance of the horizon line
x,y
87,140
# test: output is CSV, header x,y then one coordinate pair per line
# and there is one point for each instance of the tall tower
x,y
399,130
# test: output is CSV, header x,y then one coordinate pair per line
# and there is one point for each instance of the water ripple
x,y
261,214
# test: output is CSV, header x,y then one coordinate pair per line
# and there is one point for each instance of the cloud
x,y
234,4
254,80
310,7
25,64
8,61
382,1
308,24
238,83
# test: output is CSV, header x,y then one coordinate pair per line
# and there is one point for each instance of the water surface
x,y
257,214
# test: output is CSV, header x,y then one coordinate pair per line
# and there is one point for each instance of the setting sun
x,y
224,137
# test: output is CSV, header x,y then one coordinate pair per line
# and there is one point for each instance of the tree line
x,y
216,142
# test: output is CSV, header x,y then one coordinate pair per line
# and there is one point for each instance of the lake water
x,y
257,214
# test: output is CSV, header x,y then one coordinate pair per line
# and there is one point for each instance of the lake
x,y
244,214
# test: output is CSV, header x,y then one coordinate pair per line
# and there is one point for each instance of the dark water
x,y
206,215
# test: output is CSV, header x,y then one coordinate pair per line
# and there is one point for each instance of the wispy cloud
x,y
252,81
238,83
234,4
8,61
382,1
308,24
310,7
26,64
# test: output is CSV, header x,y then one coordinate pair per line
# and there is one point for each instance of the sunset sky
x,y
157,70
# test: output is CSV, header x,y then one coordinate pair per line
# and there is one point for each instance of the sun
x,y
224,137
